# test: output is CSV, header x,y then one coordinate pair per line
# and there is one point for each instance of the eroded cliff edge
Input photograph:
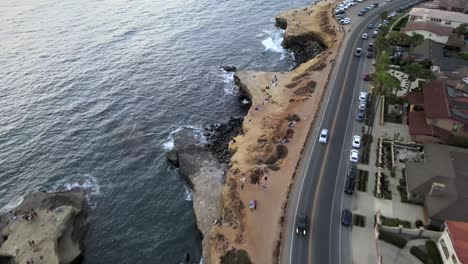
x,y
284,106
45,228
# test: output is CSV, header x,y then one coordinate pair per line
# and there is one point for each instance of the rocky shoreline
x,y
203,166
45,228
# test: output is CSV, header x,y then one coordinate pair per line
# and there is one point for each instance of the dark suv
x,y
351,180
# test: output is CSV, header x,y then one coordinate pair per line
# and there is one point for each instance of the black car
x,y
360,116
352,172
361,13
370,54
301,225
349,185
346,217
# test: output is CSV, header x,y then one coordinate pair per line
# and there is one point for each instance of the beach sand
x,y
275,131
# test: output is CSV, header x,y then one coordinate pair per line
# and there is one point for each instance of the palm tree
x,y
462,30
415,40
384,15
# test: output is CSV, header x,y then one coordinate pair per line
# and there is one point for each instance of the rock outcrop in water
x,y
203,167
45,228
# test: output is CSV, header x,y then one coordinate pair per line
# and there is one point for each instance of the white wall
x,y
429,35
447,252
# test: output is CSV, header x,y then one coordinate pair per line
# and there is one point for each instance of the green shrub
x,y
464,55
418,223
433,252
392,238
388,221
458,141
419,253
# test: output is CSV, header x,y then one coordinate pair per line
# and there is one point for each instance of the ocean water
x,y
91,91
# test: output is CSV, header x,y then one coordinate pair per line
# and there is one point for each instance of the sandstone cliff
x,y
45,228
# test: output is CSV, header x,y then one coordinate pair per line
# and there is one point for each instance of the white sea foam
x,y
87,183
188,194
12,204
197,133
229,84
245,101
274,41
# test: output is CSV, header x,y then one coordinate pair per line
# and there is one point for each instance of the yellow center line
x,y
322,168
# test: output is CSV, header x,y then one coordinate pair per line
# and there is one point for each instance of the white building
x,y
439,17
453,243
437,25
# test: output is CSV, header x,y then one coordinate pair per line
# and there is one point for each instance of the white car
x,y
362,106
364,36
360,1
362,96
346,22
356,141
323,136
354,156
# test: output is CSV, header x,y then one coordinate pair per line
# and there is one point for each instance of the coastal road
x,y
319,187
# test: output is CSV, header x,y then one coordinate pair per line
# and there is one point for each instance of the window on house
x,y
436,20
454,259
444,248
448,22
455,127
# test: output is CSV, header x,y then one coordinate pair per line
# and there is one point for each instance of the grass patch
x,y
395,222
420,254
400,23
433,252
370,111
366,145
362,178
392,238
464,55
385,192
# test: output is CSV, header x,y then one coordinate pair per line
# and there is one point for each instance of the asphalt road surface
x,y
319,187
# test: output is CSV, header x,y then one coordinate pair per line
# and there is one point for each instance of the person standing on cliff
x,y
242,182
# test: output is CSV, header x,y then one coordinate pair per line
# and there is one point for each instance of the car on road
x,y
354,156
360,116
361,13
364,36
349,185
370,26
375,33
362,105
301,224
346,22
358,52
370,54
370,48
346,217
323,136
356,141
362,96
366,77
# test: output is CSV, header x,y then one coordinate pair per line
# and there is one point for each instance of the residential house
x,y
453,5
437,113
428,50
440,180
453,243
437,25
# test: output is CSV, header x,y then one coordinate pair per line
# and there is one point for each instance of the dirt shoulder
x,y
284,106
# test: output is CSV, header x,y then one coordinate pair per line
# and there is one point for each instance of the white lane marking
x,y
308,161
353,110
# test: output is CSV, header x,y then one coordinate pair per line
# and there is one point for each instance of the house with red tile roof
x,y
437,113
453,243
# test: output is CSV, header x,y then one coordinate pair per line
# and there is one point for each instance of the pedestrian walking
x,y
242,182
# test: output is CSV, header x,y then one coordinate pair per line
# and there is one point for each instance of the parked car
x,y
358,52
346,217
375,33
370,47
361,13
362,106
354,156
362,96
356,141
352,173
366,77
360,116
349,185
370,26
364,36
323,136
370,54
301,224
